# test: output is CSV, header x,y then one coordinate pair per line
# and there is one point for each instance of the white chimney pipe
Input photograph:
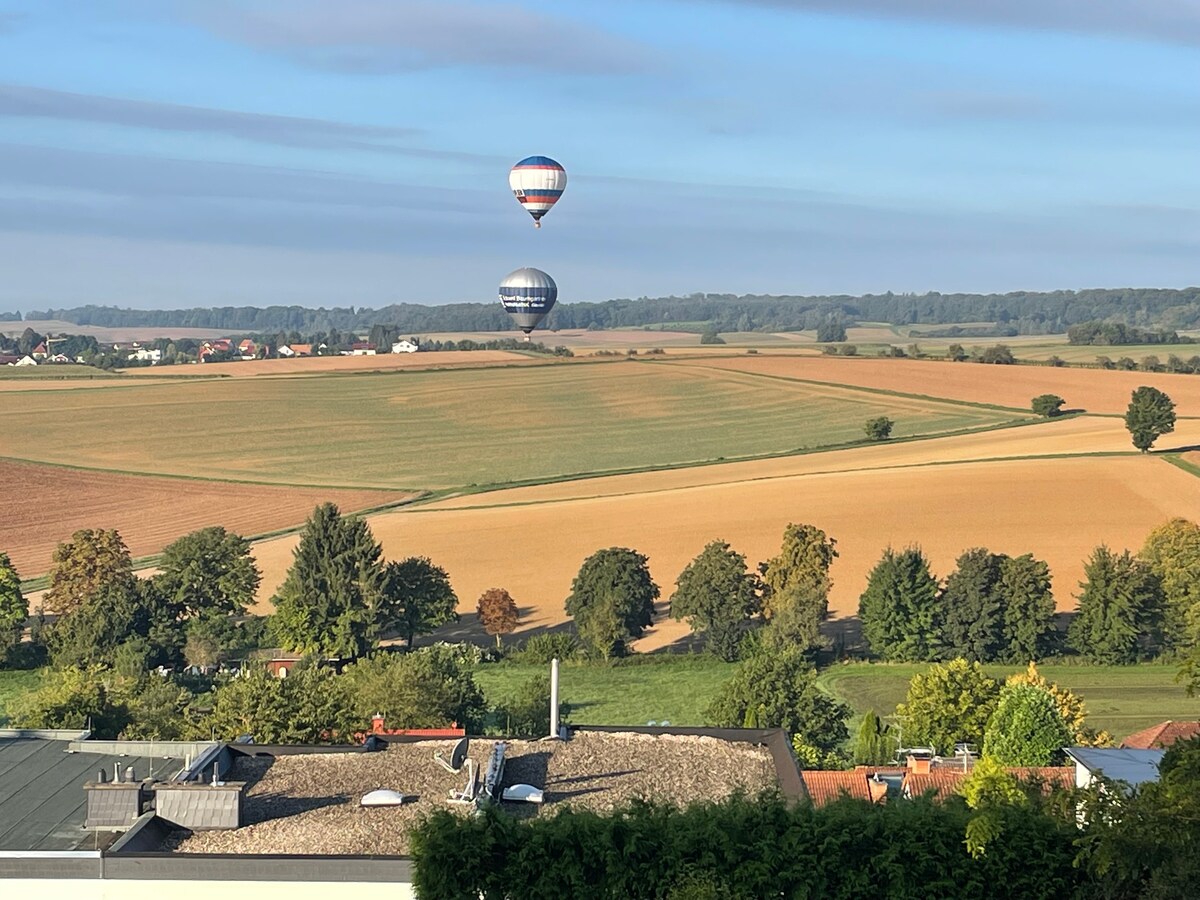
x,y
554,698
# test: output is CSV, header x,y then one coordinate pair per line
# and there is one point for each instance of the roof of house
x,y
42,801
303,801
1162,735
826,786
943,782
301,348
1131,765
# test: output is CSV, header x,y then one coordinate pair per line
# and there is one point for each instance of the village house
x,y
25,361
362,348
405,347
39,352
247,349
1161,736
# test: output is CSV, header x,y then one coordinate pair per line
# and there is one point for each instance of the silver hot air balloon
x,y
528,295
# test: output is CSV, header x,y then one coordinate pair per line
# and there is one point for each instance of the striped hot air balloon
x,y
528,295
537,182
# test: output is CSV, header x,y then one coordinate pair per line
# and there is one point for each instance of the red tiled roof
x,y
1049,776
943,782
1161,736
823,787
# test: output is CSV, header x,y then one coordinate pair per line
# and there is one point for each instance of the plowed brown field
x,y
1096,390
320,365
1017,506
46,504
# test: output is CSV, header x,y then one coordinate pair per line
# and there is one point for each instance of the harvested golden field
x,y
320,365
1097,391
1058,509
149,512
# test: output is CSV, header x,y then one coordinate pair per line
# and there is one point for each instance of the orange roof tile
x,y
1161,736
943,782
826,786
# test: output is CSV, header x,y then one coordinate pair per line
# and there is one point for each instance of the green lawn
x,y
14,683
442,429
672,688
1120,699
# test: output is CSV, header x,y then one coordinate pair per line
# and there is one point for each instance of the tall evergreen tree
x,y
873,745
1120,609
796,585
1028,608
972,609
899,608
14,609
327,603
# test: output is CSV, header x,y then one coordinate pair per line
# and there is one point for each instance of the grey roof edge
x,y
45,734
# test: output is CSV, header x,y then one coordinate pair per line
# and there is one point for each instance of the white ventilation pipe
x,y
554,698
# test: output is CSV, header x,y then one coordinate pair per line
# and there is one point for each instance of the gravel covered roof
x,y
309,803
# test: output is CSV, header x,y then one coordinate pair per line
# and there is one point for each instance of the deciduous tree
x,y
327,603
1120,609
1070,707
899,608
92,559
1173,553
1026,728
498,612
207,572
1150,415
428,688
796,585
1048,405
717,596
612,600
879,428
416,598
948,704
777,688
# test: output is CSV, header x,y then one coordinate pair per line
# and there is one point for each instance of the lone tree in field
x,y
1173,553
327,603
1048,405
91,560
498,612
13,608
415,598
612,600
1151,414
207,572
796,585
1120,610
717,596
899,608
879,429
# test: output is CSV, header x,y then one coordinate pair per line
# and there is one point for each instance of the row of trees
x,y
994,607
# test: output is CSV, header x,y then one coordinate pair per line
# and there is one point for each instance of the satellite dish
x,y
458,756
382,797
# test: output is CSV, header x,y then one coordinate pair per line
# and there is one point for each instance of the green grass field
x,y
454,428
1120,699
675,688
13,684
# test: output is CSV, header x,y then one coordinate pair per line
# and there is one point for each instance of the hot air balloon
x,y
528,295
537,182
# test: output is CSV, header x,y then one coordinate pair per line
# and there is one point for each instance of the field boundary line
x,y
928,398
424,506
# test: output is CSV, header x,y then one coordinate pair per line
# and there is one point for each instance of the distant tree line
x,y
1100,333
1019,312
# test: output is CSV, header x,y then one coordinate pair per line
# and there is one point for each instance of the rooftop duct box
x,y
201,807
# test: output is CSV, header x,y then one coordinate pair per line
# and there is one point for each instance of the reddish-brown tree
x,y
498,612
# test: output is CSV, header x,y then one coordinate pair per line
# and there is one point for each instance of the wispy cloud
x,y
22,100
1171,21
383,36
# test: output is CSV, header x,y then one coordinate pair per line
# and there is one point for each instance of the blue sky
x,y
161,153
